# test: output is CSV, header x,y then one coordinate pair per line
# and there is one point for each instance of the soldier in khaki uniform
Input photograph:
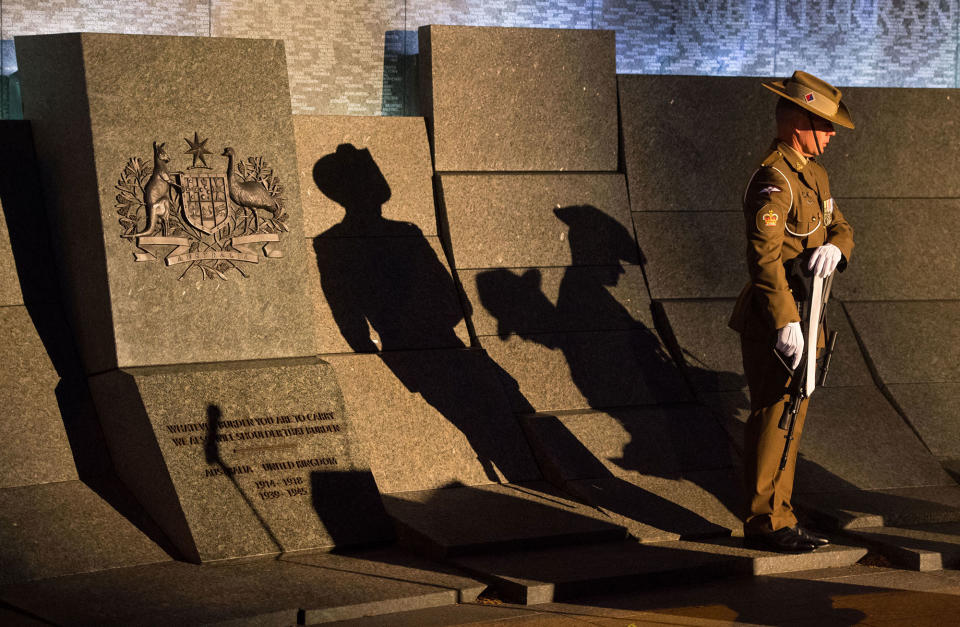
x,y
788,208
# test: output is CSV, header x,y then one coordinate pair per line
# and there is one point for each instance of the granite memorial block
x,y
711,350
853,440
402,283
170,169
919,233
692,254
434,418
913,132
35,446
397,144
519,99
516,221
384,283
663,472
557,371
910,341
26,266
482,519
241,459
933,409
690,143
65,527
551,300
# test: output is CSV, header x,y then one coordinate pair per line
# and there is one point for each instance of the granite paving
x,y
932,409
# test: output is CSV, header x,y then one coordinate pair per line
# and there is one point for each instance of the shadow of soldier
x,y
619,366
389,293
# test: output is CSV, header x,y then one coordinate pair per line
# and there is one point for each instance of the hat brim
x,y
841,117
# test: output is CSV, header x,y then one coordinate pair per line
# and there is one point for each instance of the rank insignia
x,y
770,218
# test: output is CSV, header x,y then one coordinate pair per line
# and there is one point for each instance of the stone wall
x,y
354,58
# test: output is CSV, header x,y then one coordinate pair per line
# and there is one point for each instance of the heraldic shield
x,y
204,199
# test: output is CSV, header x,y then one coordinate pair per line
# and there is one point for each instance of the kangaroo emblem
x,y
157,200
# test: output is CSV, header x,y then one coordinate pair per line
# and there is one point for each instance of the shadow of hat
x,y
350,177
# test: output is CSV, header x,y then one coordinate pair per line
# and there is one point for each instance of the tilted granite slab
x,y
97,103
557,371
690,143
393,293
539,300
524,220
926,140
34,442
462,520
662,472
933,409
529,99
399,147
923,547
433,418
711,349
265,445
693,254
555,574
888,229
63,528
910,342
893,507
312,588
852,440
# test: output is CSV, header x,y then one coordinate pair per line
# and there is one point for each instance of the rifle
x,y
812,294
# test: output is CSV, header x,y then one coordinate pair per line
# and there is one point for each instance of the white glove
x,y
824,260
790,342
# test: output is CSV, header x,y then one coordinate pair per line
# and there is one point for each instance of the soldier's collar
x,y
796,160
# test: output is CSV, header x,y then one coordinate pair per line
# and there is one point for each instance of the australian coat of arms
x,y
212,221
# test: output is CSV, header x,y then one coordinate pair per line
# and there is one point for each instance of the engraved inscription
x,y
284,473
210,221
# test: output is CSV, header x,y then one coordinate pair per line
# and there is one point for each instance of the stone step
x,y
918,547
467,520
546,575
294,589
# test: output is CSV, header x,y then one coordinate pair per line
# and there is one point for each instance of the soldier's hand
x,y
824,260
790,342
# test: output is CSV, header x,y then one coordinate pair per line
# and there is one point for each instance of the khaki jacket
x,y
787,208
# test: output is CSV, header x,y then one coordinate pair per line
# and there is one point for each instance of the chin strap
x,y
813,129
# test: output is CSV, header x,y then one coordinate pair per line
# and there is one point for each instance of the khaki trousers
x,y
768,488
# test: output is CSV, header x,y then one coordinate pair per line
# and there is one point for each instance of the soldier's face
x,y
808,137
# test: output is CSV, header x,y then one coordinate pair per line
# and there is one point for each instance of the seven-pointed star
x,y
197,149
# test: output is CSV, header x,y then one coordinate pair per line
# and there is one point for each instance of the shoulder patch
x,y
767,218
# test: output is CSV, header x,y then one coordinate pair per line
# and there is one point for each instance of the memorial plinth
x,y
170,171
233,460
